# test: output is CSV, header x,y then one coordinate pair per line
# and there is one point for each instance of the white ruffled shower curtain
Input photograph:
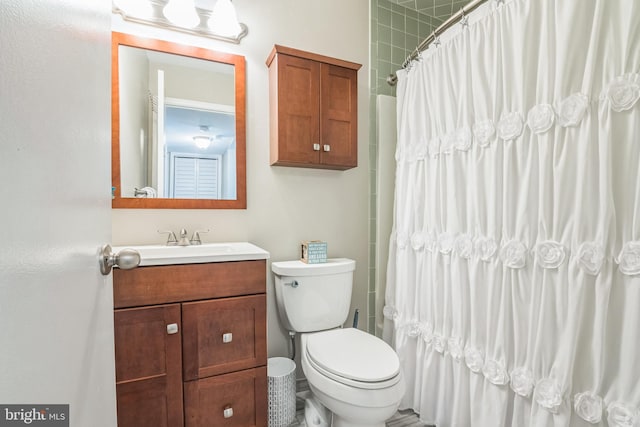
x,y
513,287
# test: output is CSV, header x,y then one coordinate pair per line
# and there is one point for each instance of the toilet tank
x,y
313,297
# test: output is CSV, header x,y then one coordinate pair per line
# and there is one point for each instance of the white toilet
x,y
351,373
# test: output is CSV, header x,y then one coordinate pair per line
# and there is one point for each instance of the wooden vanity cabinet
x,y
314,110
190,345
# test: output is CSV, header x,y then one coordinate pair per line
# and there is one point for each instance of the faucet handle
x,y
171,238
195,238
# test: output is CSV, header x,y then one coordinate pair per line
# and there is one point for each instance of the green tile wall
x,y
395,33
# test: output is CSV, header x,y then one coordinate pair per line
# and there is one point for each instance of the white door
x,y
161,145
56,330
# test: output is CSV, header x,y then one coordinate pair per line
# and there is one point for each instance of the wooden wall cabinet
x,y
313,105
191,346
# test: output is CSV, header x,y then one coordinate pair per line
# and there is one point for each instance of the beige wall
x,y
284,205
194,84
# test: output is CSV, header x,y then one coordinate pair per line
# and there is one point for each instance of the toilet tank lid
x,y
299,268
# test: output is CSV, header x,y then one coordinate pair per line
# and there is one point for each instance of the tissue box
x,y
313,252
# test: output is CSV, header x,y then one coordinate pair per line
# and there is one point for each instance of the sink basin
x,y
207,252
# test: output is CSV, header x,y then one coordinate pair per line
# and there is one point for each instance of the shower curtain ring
x,y
436,39
464,19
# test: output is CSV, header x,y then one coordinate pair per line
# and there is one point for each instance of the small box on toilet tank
x,y
313,252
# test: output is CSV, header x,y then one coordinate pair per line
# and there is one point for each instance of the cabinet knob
x,y
228,337
172,328
327,147
228,412
316,147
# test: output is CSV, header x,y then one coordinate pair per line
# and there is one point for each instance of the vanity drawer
x,y
243,394
187,282
223,335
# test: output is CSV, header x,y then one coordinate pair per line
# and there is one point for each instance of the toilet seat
x,y
353,358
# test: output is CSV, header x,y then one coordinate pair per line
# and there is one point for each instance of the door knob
x,y
126,259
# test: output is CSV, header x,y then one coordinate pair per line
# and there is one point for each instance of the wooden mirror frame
x,y
121,39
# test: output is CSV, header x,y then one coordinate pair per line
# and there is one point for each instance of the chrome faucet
x,y
171,238
184,240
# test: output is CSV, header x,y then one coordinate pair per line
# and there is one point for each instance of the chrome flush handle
x,y
293,284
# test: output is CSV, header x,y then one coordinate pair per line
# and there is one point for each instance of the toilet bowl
x,y
354,375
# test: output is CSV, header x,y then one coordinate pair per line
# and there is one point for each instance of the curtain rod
x,y
392,79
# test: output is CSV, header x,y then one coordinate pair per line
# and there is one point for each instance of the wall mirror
x,y
178,126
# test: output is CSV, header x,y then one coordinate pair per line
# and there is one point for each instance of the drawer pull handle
x,y
227,338
228,412
316,147
327,147
172,328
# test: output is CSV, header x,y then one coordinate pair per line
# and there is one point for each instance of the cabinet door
x,y
339,117
148,366
223,335
298,107
230,400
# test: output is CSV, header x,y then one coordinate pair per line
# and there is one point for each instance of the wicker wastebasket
x,y
281,375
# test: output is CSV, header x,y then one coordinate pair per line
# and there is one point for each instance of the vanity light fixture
x,y
137,8
220,22
202,141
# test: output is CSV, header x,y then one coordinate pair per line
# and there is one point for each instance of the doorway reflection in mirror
x,y
167,103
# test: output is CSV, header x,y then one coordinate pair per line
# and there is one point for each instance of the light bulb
x,y
181,13
224,20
